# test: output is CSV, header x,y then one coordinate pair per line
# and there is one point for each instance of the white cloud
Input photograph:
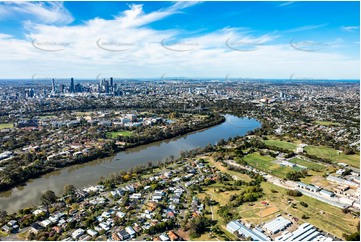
x,y
138,51
285,4
305,28
47,13
350,28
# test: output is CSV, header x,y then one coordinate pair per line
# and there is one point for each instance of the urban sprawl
x,y
296,178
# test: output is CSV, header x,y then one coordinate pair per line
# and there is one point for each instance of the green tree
x,y
48,198
3,215
353,237
69,189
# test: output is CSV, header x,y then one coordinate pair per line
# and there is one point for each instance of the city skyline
x,y
180,39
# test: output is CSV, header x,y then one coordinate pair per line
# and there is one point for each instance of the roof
x,y
277,224
326,192
246,232
234,226
123,232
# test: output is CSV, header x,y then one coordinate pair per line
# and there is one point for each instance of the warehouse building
x,y
305,232
237,228
327,193
277,225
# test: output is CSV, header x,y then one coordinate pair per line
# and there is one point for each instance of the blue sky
x,y
188,39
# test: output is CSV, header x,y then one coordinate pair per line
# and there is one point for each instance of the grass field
x,y
6,126
47,116
120,133
333,155
266,164
310,165
222,198
327,123
219,166
316,178
281,144
351,160
322,215
83,113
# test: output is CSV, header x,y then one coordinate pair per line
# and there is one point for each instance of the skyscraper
x,y
78,88
62,88
111,84
72,89
53,86
106,86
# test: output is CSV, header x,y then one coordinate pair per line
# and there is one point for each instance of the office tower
x,y
78,88
106,84
72,89
111,84
53,86
115,90
62,88
29,93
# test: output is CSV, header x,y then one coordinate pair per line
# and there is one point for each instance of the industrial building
x,y
327,193
342,181
256,234
277,225
305,232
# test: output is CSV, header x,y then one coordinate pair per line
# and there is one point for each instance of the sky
x,y
308,40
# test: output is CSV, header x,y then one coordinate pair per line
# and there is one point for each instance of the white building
x,y
77,233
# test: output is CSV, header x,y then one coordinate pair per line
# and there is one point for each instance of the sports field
x,y
281,144
120,133
327,123
333,155
266,164
6,126
309,164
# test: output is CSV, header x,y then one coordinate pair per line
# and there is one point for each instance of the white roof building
x,y
77,233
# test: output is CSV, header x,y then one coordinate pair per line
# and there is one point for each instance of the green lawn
x,y
327,123
333,155
47,116
120,133
310,165
82,113
266,164
6,125
351,160
281,144
322,215
219,166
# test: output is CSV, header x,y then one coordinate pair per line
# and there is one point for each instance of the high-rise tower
x,y
72,89
53,86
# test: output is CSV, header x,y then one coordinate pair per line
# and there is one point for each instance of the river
x,y
89,173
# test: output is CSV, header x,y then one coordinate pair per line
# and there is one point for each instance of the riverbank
x,y
89,173
107,151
